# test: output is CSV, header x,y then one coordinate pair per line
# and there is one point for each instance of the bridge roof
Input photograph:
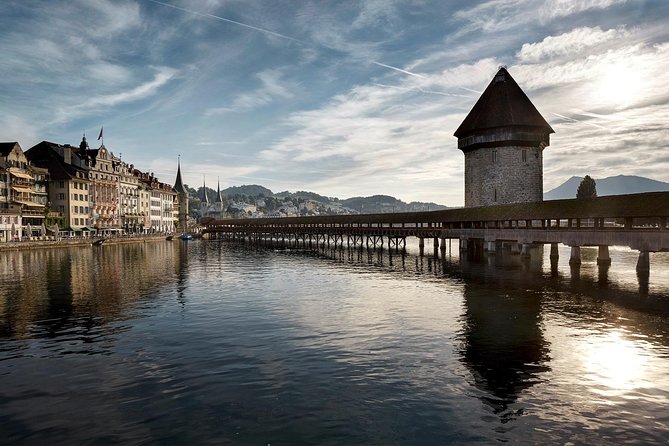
x,y
502,104
652,204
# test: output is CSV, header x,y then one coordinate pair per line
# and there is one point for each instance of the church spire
x,y
219,197
178,185
205,198
83,146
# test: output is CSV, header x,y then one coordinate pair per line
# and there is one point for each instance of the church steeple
x,y
83,146
178,185
219,197
205,198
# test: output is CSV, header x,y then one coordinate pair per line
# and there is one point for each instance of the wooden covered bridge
x,y
638,221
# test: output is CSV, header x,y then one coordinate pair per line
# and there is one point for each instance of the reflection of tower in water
x,y
503,344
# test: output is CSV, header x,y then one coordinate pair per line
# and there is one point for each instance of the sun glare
x,y
618,86
615,362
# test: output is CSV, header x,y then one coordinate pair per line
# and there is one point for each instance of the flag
x,y
100,135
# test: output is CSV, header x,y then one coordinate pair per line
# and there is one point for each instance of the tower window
x,y
495,194
524,155
494,156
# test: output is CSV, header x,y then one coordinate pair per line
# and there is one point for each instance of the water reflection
x,y
503,345
49,293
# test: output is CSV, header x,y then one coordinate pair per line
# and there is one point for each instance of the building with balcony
x,y
22,194
69,187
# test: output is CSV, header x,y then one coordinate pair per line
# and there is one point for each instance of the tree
x,y
587,188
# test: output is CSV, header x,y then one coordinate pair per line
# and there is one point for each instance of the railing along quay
x,y
638,221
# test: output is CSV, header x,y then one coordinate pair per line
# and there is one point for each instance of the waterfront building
x,y
68,186
105,181
22,193
129,198
159,199
503,138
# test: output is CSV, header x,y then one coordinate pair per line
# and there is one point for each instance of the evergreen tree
x,y
587,188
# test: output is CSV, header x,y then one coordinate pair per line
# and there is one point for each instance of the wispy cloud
x,y
570,44
225,19
162,76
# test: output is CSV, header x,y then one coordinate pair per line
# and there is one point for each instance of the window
x,y
524,155
61,184
61,196
76,221
494,156
495,194
76,209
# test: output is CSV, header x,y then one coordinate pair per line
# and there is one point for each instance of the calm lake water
x,y
208,342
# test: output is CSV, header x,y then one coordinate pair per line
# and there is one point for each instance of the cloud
x,y
272,87
553,9
570,44
497,15
161,77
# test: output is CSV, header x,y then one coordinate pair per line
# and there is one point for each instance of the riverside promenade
x,y
66,242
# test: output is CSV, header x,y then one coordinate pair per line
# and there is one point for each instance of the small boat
x,y
186,237
169,237
99,242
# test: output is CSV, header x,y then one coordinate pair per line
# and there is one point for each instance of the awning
x,y
19,174
29,203
25,189
86,228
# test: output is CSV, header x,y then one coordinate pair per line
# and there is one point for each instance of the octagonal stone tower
x,y
503,138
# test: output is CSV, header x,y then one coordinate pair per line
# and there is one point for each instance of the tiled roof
x,y
502,104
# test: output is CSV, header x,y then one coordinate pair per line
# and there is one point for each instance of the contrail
x,y
204,14
272,33
397,69
422,90
567,118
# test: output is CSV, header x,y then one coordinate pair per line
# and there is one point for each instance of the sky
x,y
342,98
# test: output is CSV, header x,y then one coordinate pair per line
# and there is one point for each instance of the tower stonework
x,y
503,138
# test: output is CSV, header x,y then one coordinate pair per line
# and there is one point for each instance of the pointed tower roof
x,y
83,146
219,198
178,185
502,104
205,198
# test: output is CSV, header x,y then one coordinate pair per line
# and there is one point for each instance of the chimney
x,y
67,154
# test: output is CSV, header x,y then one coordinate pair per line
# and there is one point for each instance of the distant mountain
x,y
251,190
305,196
367,205
618,185
386,203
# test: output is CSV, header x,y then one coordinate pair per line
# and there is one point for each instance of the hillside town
x,y
61,190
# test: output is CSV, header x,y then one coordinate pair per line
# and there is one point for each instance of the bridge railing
x,y
638,212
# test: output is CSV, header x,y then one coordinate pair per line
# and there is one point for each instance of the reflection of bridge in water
x,y
638,221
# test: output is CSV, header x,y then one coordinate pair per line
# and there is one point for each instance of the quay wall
x,y
67,242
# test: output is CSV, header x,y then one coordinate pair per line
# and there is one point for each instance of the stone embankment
x,y
66,242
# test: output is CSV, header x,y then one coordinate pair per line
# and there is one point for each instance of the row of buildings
x,y
59,188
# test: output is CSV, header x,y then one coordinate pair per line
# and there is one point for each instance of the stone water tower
x,y
503,138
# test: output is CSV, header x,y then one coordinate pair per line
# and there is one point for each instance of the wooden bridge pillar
x,y
443,245
575,258
643,264
554,251
421,246
463,244
603,257
525,251
490,246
